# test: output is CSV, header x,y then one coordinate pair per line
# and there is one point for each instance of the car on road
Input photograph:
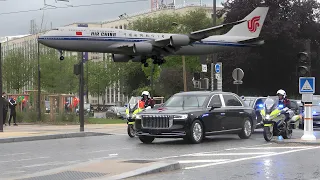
x,y
196,114
257,104
315,113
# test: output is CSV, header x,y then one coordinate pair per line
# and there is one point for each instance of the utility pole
x,y
1,102
184,73
214,14
81,94
39,88
151,79
87,82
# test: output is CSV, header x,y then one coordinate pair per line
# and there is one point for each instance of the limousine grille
x,y
157,121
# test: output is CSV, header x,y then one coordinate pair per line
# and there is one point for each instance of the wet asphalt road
x,y
219,157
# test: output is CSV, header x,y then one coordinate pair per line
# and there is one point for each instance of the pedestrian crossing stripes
x,y
206,159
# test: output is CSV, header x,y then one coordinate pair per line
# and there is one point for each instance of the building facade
x,y
114,95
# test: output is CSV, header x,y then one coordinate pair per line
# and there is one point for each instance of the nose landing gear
x,y
61,55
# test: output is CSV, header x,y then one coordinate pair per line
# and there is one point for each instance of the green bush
x,y
67,117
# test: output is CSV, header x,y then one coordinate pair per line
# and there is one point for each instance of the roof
x,y
9,38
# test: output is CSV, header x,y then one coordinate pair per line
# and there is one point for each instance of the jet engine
x,y
121,57
179,40
142,48
125,58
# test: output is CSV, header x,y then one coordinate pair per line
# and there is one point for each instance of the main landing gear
x,y
61,55
156,60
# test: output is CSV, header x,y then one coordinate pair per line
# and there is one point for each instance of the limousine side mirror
x,y
214,106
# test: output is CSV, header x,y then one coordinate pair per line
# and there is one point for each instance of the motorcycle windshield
x,y
133,104
271,103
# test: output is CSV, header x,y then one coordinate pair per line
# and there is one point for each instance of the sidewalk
x,y
42,132
296,138
105,169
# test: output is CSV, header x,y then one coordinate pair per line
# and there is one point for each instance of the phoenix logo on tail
x,y
253,24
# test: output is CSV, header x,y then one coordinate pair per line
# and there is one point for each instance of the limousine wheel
x,y
196,132
146,139
246,129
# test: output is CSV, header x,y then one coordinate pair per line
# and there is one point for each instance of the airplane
x,y
126,45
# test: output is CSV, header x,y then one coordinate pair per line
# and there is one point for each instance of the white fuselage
x,y
107,40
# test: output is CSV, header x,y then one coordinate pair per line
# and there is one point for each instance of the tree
x,y
17,69
57,76
171,82
273,65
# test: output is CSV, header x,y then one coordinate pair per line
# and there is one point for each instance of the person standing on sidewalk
x,y
5,107
13,113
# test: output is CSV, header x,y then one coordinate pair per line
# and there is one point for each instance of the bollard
x,y
308,123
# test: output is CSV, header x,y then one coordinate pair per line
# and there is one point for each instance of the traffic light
x,y
304,64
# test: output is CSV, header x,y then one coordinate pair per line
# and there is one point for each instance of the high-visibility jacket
x,y
139,109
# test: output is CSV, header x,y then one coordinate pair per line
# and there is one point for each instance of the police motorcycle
x,y
134,106
277,119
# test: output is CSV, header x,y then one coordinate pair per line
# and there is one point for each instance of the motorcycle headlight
x,y
127,115
181,116
267,116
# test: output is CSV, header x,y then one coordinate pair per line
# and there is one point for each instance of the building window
x,y
116,27
124,26
120,27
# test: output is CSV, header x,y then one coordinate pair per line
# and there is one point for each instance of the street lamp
x,y
39,88
1,102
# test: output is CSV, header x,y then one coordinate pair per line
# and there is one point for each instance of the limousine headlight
x,y
138,116
180,116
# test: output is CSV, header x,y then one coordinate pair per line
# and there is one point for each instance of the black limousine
x,y
196,114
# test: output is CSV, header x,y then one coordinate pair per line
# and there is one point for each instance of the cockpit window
x,y
55,29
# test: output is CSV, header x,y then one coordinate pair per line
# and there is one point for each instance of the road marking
x,y
232,154
248,146
168,157
108,150
249,158
12,154
24,159
292,147
202,161
101,158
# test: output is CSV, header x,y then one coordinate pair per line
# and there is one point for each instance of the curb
x,y
297,141
155,168
51,136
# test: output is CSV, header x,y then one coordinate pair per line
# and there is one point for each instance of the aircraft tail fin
x,y
252,26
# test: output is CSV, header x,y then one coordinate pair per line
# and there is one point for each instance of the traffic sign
x,y
204,68
217,68
307,85
237,74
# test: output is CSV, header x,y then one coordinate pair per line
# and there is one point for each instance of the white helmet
x,y
281,92
145,93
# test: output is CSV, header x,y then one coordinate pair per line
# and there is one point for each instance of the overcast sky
x,y
19,23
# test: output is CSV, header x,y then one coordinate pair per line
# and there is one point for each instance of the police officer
x,y
146,99
13,113
5,107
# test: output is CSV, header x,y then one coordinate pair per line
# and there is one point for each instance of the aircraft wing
x,y
198,35
164,45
